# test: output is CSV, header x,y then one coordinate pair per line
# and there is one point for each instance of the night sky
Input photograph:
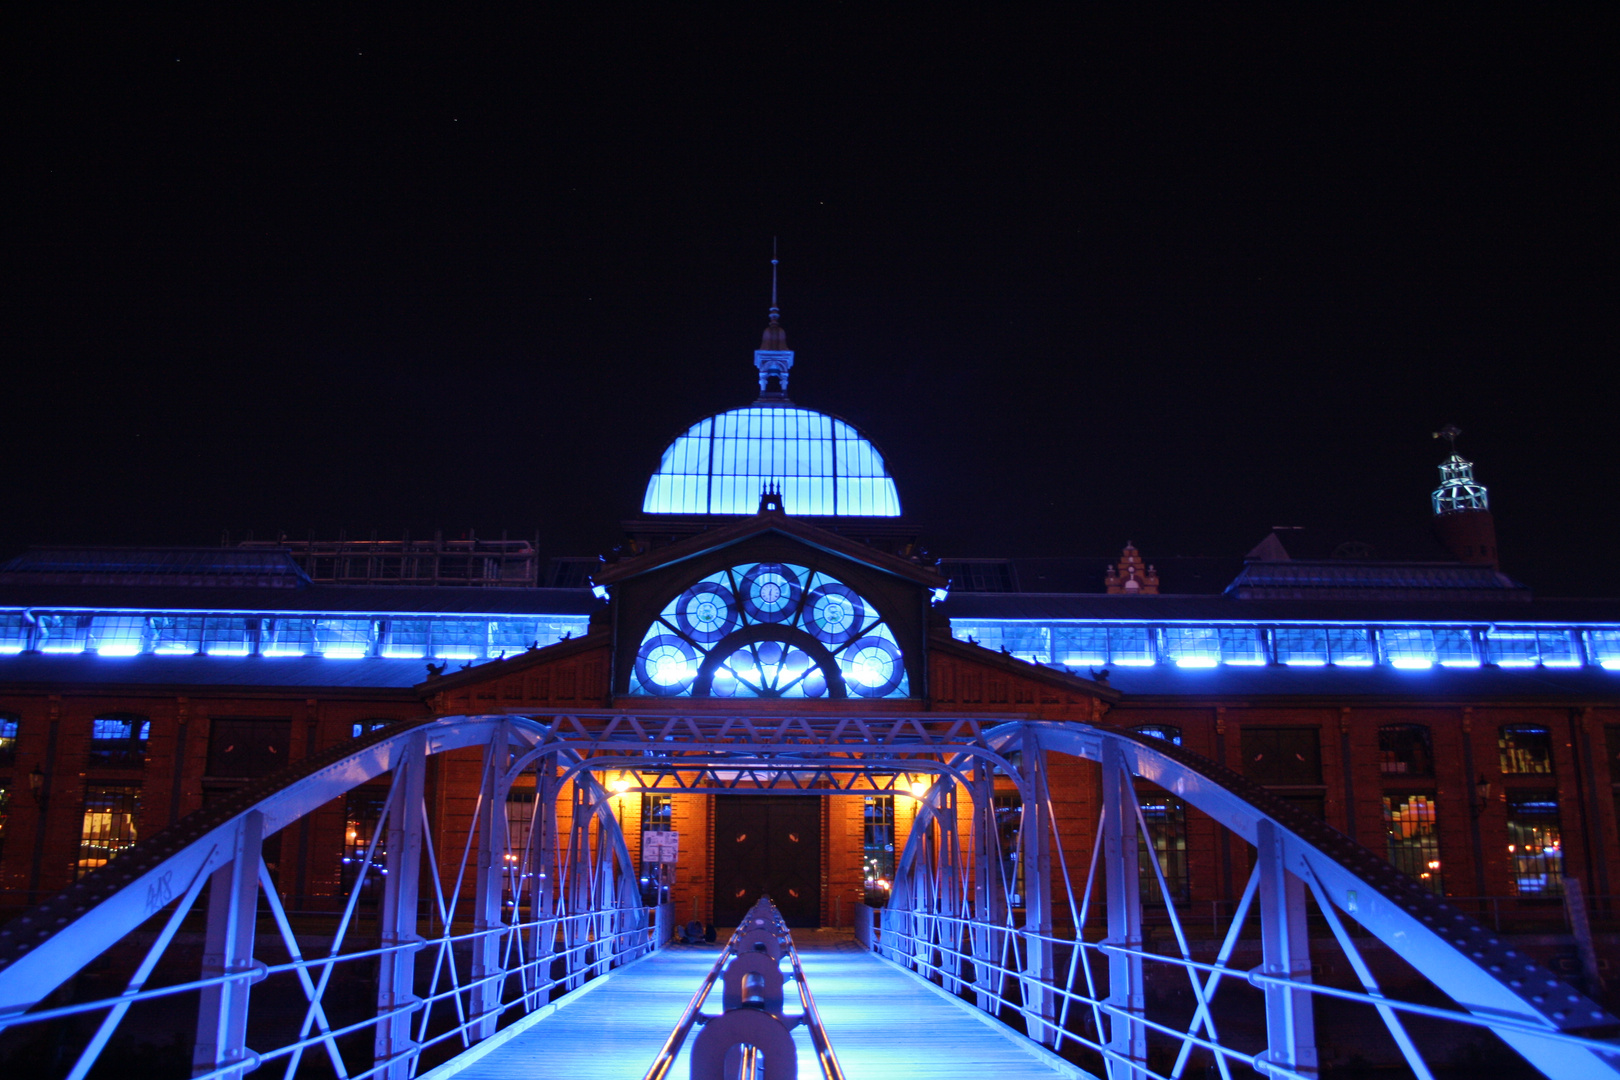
x,y
1174,280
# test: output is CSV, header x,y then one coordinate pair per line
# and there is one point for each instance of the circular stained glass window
x,y
872,666
770,593
667,665
706,612
833,613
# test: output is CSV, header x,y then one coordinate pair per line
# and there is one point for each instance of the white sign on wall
x,y
660,847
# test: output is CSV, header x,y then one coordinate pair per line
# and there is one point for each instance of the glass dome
x,y
822,465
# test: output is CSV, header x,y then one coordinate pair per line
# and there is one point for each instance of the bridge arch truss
x,y
466,941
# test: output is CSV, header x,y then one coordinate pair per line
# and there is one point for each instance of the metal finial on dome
x,y
775,311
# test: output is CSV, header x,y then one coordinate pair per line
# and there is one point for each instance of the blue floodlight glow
x,y
1133,661
1196,662
1459,663
599,591
1304,662
344,652
823,466
122,648
1611,665
1358,662
1411,663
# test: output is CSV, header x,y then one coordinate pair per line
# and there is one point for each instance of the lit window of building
x,y
877,848
1413,837
362,813
1164,732
110,824
1525,749
1166,818
9,726
1534,844
119,741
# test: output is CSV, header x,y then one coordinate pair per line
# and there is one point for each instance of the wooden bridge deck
x,y
882,1023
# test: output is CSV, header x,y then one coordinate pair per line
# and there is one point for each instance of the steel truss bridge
x,y
465,942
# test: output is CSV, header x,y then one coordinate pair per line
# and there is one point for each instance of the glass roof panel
x,y
823,466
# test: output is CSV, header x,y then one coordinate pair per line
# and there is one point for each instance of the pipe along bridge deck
x,y
882,1021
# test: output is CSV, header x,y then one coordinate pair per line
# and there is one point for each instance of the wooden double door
x,y
767,845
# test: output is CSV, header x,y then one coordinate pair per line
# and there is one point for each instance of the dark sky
x,y
1173,281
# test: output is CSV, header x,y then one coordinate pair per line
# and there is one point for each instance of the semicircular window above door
x,y
771,630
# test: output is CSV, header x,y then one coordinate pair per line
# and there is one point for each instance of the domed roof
x,y
824,466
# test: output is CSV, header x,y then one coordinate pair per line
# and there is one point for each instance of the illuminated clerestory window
x,y
774,630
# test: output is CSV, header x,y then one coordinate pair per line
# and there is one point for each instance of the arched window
x,y
366,727
772,630
1405,750
1166,732
1526,749
118,740
8,739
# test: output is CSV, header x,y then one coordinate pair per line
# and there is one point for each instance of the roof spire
x,y
776,312
773,358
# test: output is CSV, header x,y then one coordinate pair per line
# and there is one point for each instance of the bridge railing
x,y
1045,930
447,932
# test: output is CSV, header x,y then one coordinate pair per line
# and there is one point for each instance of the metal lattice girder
x,y
1466,961
45,947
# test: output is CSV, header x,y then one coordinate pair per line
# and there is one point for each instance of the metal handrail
x,y
809,1016
1497,1022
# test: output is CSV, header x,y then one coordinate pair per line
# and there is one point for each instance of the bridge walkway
x,y
882,1022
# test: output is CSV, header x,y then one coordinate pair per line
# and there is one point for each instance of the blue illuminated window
x,y
118,635
1027,642
1349,646
13,634
1242,645
1165,732
343,639
1529,647
1080,645
823,466
177,635
1130,646
227,637
774,630
1409,646
63,633
8,739
406,639
1198,646
1298,646
1604,646
1454,647
366,727
289,637
460,639
119,740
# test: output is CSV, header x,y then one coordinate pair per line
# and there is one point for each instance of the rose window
x,y
773,630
